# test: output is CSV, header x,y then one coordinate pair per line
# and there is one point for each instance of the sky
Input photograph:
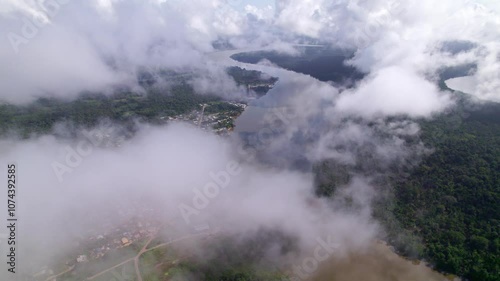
x,y
257,3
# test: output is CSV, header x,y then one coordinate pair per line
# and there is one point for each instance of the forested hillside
x,y
445,210
125,106
88,109
452,200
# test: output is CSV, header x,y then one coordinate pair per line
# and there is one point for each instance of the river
x,y
252,119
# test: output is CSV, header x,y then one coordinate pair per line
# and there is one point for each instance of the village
x,y
119,236
220,122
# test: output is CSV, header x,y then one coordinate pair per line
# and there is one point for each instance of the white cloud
x,y
94,45
167,165
394,91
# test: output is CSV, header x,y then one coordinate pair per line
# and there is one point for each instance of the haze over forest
x,y
250,140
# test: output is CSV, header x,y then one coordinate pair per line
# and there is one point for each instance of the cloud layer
x,y
62,48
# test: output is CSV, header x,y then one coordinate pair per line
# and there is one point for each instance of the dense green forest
x,y
451,200
40,116
247,77
88,109
446,209
256,80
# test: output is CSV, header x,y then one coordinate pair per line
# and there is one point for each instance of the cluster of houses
x,y
208,122
121,237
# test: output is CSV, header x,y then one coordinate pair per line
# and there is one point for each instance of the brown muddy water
x,y
379,263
